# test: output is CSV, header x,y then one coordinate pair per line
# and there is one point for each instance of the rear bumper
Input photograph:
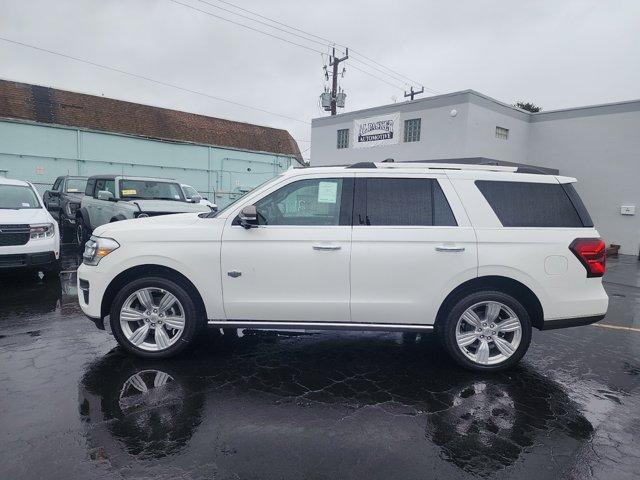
x,y
28,260
571,322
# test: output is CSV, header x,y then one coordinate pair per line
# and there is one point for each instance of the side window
x,y
89,189
403,202
525,204
110,186
318,201
99,186
57,186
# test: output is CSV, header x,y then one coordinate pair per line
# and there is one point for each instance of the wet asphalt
x,y
307,405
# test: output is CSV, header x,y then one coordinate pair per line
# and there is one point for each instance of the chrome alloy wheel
x,y
152,319
488,333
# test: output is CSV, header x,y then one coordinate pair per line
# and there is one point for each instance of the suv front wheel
x,y
486,331
82,233
154,317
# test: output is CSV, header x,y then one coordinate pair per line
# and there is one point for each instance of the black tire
x,y
83,233
193,322
447,329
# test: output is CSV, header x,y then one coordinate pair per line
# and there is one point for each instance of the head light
x,y
97,248
41,230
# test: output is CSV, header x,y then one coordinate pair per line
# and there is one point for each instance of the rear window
x,y
525,204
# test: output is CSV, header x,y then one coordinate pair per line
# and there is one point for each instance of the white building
x,y
599,145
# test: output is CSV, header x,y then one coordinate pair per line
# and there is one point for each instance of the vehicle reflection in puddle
x,y
26,294
479,423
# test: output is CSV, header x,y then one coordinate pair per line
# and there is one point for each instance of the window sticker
x,y
327,192
25,204
72,190
177,197
129,192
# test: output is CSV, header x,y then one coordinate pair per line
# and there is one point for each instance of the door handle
x,y
326,248
449,248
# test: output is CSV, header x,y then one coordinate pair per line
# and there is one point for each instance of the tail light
x,y
591,253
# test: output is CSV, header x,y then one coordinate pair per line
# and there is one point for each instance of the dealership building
x,y
598,144
45,133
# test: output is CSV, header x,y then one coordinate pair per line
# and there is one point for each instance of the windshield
x,y
150,190
18,197
76,185
189,191
263,184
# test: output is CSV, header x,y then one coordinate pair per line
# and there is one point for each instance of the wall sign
x,y
376,131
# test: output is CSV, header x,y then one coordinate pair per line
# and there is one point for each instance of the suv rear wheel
x,y
486,331
154,317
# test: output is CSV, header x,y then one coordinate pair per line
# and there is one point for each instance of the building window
x,y
502,133
343,138
412,130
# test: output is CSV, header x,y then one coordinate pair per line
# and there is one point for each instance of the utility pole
x,y
412,93
334,62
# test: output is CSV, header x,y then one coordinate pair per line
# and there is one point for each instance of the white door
x,y
410,247
295,265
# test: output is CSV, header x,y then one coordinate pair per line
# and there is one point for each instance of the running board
x,y
387,327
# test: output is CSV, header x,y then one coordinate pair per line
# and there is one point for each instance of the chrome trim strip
x,y
317,325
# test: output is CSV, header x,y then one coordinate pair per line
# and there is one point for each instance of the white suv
x,y
29,235
480,254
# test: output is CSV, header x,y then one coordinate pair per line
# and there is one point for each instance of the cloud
x,y
556,54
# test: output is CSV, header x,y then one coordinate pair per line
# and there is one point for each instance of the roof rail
x,y
435,166
449,166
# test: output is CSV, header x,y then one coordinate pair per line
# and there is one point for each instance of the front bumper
x,y
28,260
92,283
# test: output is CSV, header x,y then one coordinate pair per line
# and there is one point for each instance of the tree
x,y
528,106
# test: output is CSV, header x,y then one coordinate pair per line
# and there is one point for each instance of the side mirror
x,y
249,217
105,195
196,199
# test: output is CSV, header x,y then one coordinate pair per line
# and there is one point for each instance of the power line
x,y
378,78
258,21
149,79
325,41
245,26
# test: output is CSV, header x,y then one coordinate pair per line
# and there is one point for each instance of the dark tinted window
x,y
404,201
524,204
577,202
91,185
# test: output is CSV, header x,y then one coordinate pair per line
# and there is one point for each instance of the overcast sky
x,y
554,53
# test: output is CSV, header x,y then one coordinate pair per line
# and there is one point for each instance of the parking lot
x,y
307,405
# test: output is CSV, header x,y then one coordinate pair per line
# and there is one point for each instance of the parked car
x,y
63,202
29,235
192,195
480,254
111,198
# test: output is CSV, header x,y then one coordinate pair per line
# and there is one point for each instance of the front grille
x,y
14,235
8,261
